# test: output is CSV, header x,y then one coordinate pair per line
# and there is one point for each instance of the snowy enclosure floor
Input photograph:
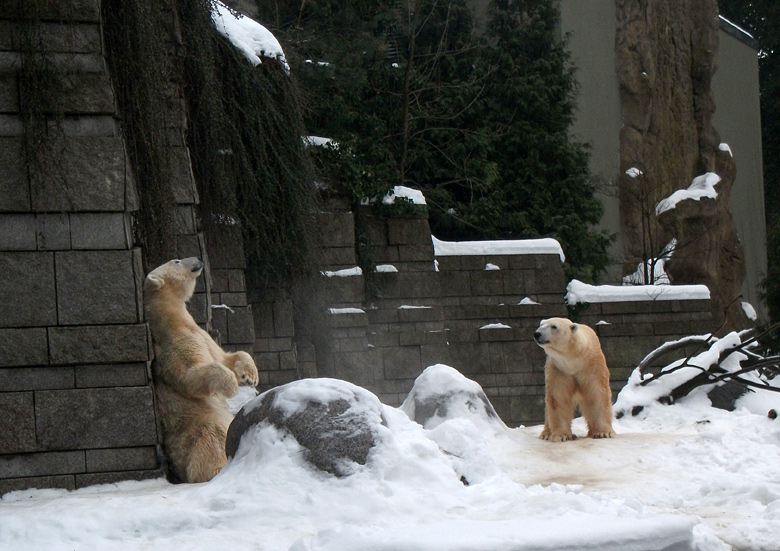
x,y
682,477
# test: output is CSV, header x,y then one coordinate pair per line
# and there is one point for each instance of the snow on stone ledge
x,y
701,186
725,147
750,312
346,272
248,36
579,292
500,247
496,326
414,195
319,141
341,311
634,172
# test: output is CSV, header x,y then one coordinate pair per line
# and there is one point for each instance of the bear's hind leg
x,y
596,406
207,456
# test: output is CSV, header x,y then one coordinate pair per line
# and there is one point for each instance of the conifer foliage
x,y
414,94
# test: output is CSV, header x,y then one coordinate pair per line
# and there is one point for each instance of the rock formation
x,y
665,54
335,422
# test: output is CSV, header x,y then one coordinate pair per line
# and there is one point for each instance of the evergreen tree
x,y
480,123
543,185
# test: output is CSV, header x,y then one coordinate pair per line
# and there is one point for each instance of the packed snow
x,y
247,36
578,292
415,196
686,476
498,247
701,187
345,272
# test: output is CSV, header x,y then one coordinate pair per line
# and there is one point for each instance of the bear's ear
x,y
154,282
573,327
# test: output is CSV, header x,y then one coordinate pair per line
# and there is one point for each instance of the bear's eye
x,y
554,327
177,261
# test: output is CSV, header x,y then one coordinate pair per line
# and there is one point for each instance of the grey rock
x,y
336,432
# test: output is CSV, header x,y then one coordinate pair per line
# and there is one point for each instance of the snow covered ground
x,y
682,477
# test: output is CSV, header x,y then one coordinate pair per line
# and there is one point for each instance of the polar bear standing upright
x,y
575,374
193,376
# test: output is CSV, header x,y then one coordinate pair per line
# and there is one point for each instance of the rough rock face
x,y
708,249
334,421
665,54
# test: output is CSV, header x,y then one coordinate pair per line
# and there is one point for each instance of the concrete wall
x,y
738,120
591,34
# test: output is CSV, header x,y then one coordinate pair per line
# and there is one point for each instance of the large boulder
x,y
335,422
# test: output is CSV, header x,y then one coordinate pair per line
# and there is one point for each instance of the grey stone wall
x,y
76,407
382,329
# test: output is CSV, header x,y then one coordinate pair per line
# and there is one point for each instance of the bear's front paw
x,y
246,373
556,436
603,434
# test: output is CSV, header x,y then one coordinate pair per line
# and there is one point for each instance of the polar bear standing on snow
x,y
193,376
575,374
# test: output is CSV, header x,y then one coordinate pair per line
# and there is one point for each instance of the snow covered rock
x,y
334,421
441,392
458,416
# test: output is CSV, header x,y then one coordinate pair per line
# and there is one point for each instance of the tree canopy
x,y
414,94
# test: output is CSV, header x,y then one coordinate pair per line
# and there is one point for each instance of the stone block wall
x,y
474,312
76,406
630,330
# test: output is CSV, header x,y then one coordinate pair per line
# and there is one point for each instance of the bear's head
x,y
175,278
555,332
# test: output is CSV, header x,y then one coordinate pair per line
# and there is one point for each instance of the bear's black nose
x,y
197,265
537,335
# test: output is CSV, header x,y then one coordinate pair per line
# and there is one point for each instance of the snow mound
x,y
442,393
